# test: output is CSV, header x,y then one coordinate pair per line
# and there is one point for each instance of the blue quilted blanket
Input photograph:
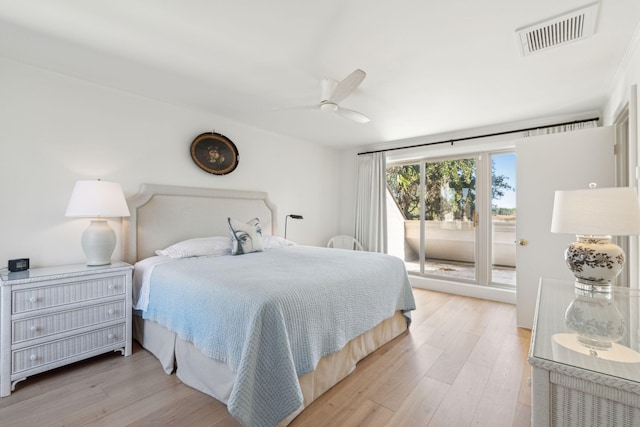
x,y
272,315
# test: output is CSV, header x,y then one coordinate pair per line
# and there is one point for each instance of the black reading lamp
x,y
286,220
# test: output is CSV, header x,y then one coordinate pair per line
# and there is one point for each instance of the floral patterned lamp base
x,y
595,262
595,319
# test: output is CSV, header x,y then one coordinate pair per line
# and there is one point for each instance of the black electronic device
x,y
20,264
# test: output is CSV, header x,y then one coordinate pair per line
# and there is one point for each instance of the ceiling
x,y
432,66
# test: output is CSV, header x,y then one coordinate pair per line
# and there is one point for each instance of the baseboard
x,y
492,293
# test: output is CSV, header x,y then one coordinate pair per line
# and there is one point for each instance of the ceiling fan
x,y
334,92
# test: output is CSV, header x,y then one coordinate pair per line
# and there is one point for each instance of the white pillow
x,y
202,246
272,242
245,237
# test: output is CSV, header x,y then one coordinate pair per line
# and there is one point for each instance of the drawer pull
x,y
111,287
111,336
111,311
34,328
33,299
33,357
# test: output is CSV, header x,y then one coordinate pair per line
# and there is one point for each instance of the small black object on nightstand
x,y
20,264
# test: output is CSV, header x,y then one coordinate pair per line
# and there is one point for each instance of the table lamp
x,y
98,200
594,215
286,220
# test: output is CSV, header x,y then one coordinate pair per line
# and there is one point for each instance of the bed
x,y
265,332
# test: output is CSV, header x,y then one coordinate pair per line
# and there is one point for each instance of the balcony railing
x,y
455,241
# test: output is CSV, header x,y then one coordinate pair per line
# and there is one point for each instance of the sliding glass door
x,y
442,217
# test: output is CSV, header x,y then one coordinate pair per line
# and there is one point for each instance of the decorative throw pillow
x,y
202,246
256,223
245,237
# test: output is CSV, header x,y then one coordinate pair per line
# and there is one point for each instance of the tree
x,y
404,183
450,189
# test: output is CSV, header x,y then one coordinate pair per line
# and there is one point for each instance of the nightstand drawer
x,y
42,326
56,351
25,300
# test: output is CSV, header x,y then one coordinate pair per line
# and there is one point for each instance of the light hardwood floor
x,y
463,363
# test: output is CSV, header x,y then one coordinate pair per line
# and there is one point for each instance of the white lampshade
x,y
597,212
97,199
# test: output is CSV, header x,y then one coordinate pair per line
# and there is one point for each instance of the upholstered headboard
x,y
162,215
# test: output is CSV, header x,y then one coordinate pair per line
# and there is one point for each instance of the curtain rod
x,y
487,135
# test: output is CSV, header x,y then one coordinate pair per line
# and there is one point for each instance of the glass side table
x,y
585,356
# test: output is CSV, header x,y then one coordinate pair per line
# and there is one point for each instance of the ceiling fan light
x,y
328,107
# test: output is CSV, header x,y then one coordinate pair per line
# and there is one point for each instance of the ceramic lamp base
x,y
594,261
98,242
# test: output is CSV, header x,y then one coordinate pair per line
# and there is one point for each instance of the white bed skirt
x,y
216,379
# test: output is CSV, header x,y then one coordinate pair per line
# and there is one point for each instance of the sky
x,y
506,165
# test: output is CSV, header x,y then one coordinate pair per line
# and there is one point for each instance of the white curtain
x,y
371,207
561,128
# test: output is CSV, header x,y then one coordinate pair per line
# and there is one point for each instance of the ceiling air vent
x,y
572,26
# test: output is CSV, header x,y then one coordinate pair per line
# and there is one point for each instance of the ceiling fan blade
x,y
348,85
352,115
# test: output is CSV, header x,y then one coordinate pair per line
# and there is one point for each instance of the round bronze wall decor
x,y
214,153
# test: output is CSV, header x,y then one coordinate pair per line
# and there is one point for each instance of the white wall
x,y
56,129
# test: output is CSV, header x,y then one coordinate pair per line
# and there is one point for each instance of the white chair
x,y
344,242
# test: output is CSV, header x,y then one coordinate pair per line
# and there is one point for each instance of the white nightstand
x,y
50,317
